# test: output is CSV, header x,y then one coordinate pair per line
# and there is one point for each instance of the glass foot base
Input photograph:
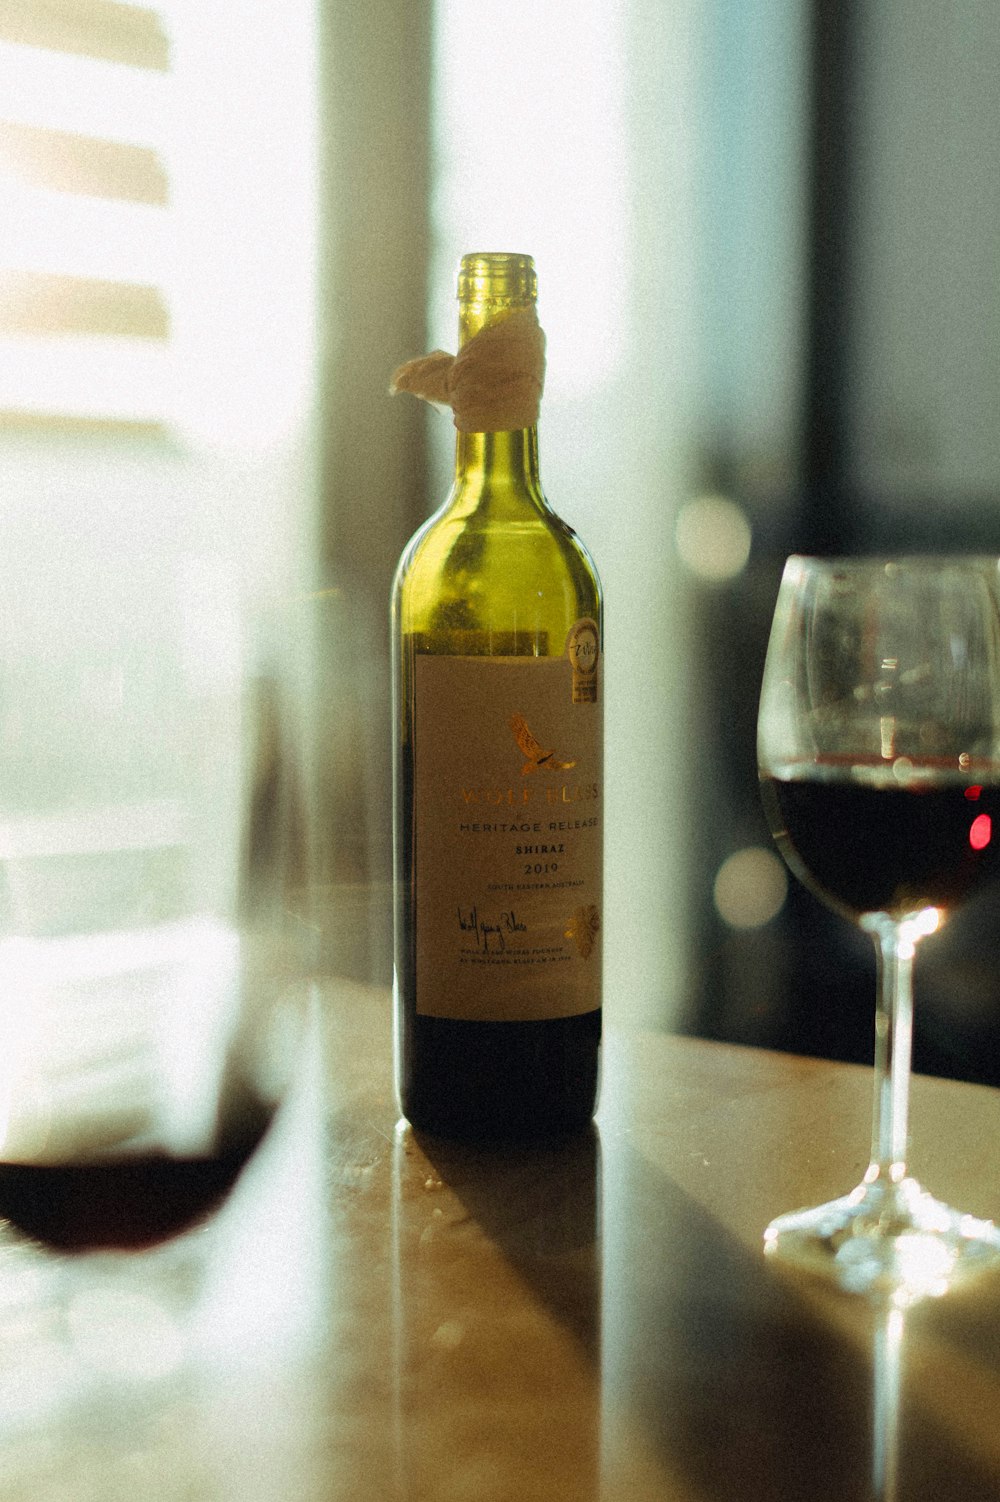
x,y
886,1239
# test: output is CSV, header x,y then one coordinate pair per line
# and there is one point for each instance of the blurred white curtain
x,y
650,156
573,137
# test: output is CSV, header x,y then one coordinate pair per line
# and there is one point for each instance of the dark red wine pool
x,y
871,847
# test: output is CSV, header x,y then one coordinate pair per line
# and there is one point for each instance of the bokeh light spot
x,y
713,537
981,832
750,888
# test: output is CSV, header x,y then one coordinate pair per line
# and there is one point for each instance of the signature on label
x,y
489,934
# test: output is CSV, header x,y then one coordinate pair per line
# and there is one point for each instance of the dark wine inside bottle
x,y
483,1080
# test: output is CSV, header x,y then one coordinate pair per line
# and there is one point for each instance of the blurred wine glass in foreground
x,y
148,838
879,757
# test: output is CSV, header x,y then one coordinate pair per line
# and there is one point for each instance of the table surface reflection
x,y
377,1315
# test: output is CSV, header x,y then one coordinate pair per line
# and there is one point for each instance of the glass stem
x,y
895,949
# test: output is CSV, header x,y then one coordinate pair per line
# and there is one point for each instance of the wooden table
x,y
373,1317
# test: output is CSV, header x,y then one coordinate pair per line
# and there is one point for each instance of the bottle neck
x,y
501,458
497,474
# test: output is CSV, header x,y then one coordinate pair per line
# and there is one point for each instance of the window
x,y
157,273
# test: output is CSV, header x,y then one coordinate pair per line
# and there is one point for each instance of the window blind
x,y
85,320
130,34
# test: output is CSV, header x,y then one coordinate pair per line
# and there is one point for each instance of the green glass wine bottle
x,y
498,775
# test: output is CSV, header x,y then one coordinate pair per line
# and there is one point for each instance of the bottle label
x,y
507,829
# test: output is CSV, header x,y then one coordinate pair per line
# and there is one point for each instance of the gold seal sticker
x,y
583,648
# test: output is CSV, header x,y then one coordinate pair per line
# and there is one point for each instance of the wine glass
x,y
879,756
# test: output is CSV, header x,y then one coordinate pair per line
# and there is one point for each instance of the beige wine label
x,y
507,827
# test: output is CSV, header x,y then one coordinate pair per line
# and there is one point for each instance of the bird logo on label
x,y
537,758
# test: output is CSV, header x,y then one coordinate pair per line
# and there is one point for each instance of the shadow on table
x,y
722,1366
541,1203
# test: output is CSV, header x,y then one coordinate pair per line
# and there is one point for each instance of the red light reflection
x,y
980,832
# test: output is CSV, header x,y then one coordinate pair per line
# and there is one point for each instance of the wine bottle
x,y
498,757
